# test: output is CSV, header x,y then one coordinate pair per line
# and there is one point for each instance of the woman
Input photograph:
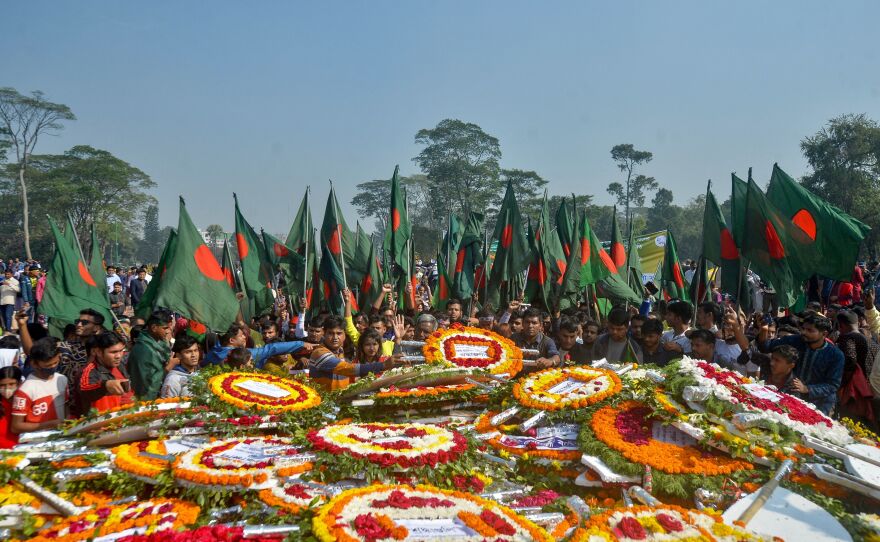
x,y
369,347
9,290
10,380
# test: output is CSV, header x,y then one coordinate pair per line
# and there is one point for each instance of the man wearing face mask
x,y
104,383
40,402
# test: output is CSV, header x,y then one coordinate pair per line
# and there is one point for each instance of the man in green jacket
x,y
150,354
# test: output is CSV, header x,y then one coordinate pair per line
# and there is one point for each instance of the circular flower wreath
x,y
391,444
208,466
130,459
156,515
665,522
532,449
292,396
382,512
738,393
566,387
291,498
501,356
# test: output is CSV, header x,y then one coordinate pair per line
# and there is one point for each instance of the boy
x,y
678,316
328,366
188,354
780,371
40,401
572,352
612,345
104,383
652,352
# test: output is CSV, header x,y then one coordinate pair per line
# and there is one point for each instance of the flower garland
x,y
566,387
473,347
292,498
742,394
531,449
665,522
388,444
212,533
273,393
130,458
382,512
226,463
409,397
156,515
627,429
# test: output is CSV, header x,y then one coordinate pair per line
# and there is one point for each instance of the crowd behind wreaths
x,y
827,354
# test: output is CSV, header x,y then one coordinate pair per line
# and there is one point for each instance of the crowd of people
x,y
827,354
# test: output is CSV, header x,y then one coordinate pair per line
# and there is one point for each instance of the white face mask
x,y
7,392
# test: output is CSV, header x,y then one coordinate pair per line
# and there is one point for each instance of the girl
x,y
10,380
369,348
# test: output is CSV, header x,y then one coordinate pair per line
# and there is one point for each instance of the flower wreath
x,y
155,515
622,436
292,498
664,522
566,387
216,465
286,395
499,354
131,413
521,447
383,512
130,459
427,394
730,392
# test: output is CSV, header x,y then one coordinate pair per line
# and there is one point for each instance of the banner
x,y
650,247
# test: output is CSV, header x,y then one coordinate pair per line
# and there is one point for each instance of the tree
x,y
25,119
845,159
152,244
662,212
461,163
216,236
633,190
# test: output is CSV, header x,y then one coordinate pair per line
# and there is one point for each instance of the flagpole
x,y
306,248
742,249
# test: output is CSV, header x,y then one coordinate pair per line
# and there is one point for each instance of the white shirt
x,y
681,340
111,280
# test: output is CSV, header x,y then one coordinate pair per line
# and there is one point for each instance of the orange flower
x,y
482,425
533,391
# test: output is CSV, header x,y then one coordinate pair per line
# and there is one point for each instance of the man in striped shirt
x,y
328,366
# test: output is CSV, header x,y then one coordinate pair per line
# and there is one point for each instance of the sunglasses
x,y
83,322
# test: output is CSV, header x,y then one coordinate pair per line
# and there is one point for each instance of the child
x,y
40,402
369,347
10,380
240,358
780,371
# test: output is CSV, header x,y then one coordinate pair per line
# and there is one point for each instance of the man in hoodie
x,y
148,357
188,354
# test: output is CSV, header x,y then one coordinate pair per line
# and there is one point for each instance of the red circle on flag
x,y
507,236
774,245
280,250
207,263
676,275
84,273
561,265
585,251
606,259
366,283
805,221
242,245
728,246
334,243
395,219
618,254
229,278
459,261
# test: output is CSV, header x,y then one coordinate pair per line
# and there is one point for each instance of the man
x,y
571,351
532,337
39,403
635,326
708,316
678,316
590,334
188,354
703,345
117,300
236,337
612,345
104,383
819,370
150,353
780,371
455,308
426,324
137,287
269,331
652,352
112,278
328,367
855,394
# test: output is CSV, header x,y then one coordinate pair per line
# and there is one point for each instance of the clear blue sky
x,y
266,97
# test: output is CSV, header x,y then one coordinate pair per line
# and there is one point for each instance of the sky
x,y
265,98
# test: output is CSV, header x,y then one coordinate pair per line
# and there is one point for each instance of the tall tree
x,y
461,162
662,211
845,158
25,119
633,189
152,244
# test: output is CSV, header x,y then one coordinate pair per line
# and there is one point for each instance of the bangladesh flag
x,y
828,239
633,263
672,282
766,243
285,261
720,248
370,286
468,254
398,231
332,280
618,251
699,286
569,290
595,262
442,290
70,286
336,239
360,264
96,262
512,254
565,227
229,268
256,271
147,304
548,262
194,283
451,240
301,239
739,189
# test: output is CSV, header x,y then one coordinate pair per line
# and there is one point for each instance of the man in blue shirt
x,y
236,337
819,369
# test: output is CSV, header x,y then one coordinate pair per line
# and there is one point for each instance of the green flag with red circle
x,y
256,270
512,254
672,282
617,250
398,230
720,248
148,301
194,283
